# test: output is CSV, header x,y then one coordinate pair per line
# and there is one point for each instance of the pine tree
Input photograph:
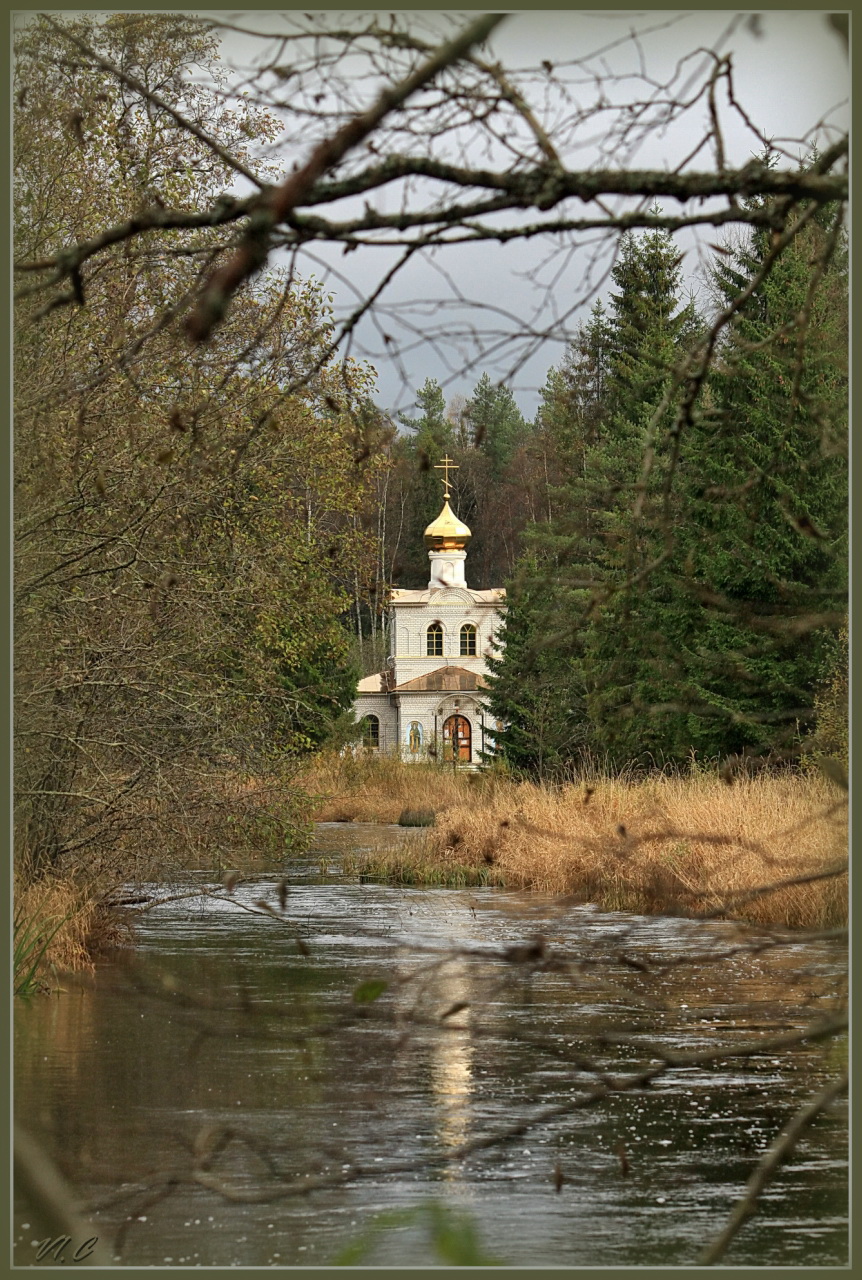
x,y
496,424
489,487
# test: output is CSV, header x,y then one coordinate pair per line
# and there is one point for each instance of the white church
x,y
427,703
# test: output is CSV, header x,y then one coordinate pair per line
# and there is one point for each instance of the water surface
x,y
198,1086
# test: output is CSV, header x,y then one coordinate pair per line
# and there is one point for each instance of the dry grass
x,y
368,788
419,864
663,845
59,926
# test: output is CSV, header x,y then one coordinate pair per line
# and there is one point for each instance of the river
x,y
240,1089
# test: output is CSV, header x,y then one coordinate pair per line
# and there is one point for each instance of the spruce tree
x,y
604,625
685,605
489,486
423,496
496,424
632,629
766,532
537,684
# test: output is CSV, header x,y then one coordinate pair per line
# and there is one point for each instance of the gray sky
x,y
791,76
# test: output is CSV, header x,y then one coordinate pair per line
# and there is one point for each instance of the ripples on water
x,y
226,1022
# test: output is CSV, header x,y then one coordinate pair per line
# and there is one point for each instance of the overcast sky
x,y
791,76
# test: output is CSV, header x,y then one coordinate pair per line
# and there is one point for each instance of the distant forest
x,y
674,543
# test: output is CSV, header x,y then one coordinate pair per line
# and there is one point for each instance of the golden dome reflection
x,y
447,532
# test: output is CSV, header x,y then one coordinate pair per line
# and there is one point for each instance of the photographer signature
x,y
57,1246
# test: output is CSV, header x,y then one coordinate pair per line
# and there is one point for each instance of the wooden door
x,y
457,739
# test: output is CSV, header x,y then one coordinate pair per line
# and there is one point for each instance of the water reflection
x,y
451,1064
126,1081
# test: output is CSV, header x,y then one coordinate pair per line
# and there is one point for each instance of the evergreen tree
x,y
766,532
432,424
713,569
496,424
602,629
419,454
489,485
537,684
631,640
536,691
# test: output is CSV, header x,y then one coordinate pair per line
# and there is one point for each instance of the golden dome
x,y
447,532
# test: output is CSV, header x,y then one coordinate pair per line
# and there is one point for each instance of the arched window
x,y
468,640
434,641
371,732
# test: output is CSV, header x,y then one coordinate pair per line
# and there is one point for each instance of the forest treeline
x,y
205,535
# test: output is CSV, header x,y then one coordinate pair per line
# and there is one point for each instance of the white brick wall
x,y
412,612
378,704
430,709
409,628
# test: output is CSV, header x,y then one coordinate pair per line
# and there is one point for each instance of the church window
x,y
434,641
371,732
468,640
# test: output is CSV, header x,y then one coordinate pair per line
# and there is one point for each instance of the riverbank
x,y
66,914
461,1042
661,845
762,848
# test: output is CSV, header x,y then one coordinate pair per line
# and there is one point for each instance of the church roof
x,y
371,684
447,532
444,678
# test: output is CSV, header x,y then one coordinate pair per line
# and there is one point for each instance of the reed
x,y
369,788
57,925
685,844
417,864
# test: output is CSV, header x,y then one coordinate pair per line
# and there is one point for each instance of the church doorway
x,y
457,739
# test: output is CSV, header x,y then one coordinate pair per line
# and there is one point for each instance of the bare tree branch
x,y
775,1155
275,205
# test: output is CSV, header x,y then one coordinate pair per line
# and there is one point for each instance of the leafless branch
x,y
776,1154
275,205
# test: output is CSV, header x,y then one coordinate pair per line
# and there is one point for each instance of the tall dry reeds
x,y
688,844
369,788
58,926
678,844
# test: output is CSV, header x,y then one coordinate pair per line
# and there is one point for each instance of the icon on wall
x,y
414,738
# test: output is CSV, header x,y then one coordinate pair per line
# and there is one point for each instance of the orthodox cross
x,y
445,467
